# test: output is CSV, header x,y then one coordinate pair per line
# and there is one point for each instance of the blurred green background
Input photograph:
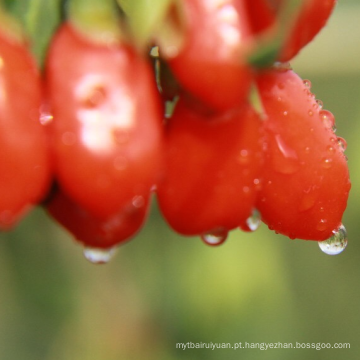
x,y
162,289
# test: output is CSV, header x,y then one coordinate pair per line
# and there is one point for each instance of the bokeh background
x,y
162,289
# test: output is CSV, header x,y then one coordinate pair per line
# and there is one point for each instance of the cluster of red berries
x,y
246,140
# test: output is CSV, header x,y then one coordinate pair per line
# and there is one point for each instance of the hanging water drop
x,y
99,255
252,223
336,243
215,238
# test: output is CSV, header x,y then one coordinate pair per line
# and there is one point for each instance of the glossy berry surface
x,y
211,169
107,128
211,64
24,158
305,182
95,232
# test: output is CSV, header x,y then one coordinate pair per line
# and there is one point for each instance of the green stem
x,y
256,102
268,51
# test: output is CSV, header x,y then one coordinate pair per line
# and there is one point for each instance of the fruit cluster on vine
x,y
207,116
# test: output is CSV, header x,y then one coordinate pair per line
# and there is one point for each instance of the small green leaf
x,y
39,19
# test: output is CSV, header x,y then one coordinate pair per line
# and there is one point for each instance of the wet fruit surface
x,y
305,183
24,158
211,168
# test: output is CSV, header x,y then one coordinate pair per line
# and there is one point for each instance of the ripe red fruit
x,y
107,128
95,232
212,63
24,156
305,184
311,17
211,168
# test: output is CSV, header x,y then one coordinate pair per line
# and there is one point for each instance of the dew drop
x,y
311,113
328,119
215,238
285,113
252,223
307,83
138,201
99,255
342,143
285,160
321,226
336,243
326,163
307,201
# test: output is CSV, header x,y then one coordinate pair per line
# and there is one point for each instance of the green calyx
x,y
270,44
98,20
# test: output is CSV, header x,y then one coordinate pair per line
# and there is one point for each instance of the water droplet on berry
x,y
307,83
328,119
215,238
99,255
285,113
308,201
311,113
330,149
321,226
336,243
285,161
320,104
326,163
342,143
138,201
252,223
